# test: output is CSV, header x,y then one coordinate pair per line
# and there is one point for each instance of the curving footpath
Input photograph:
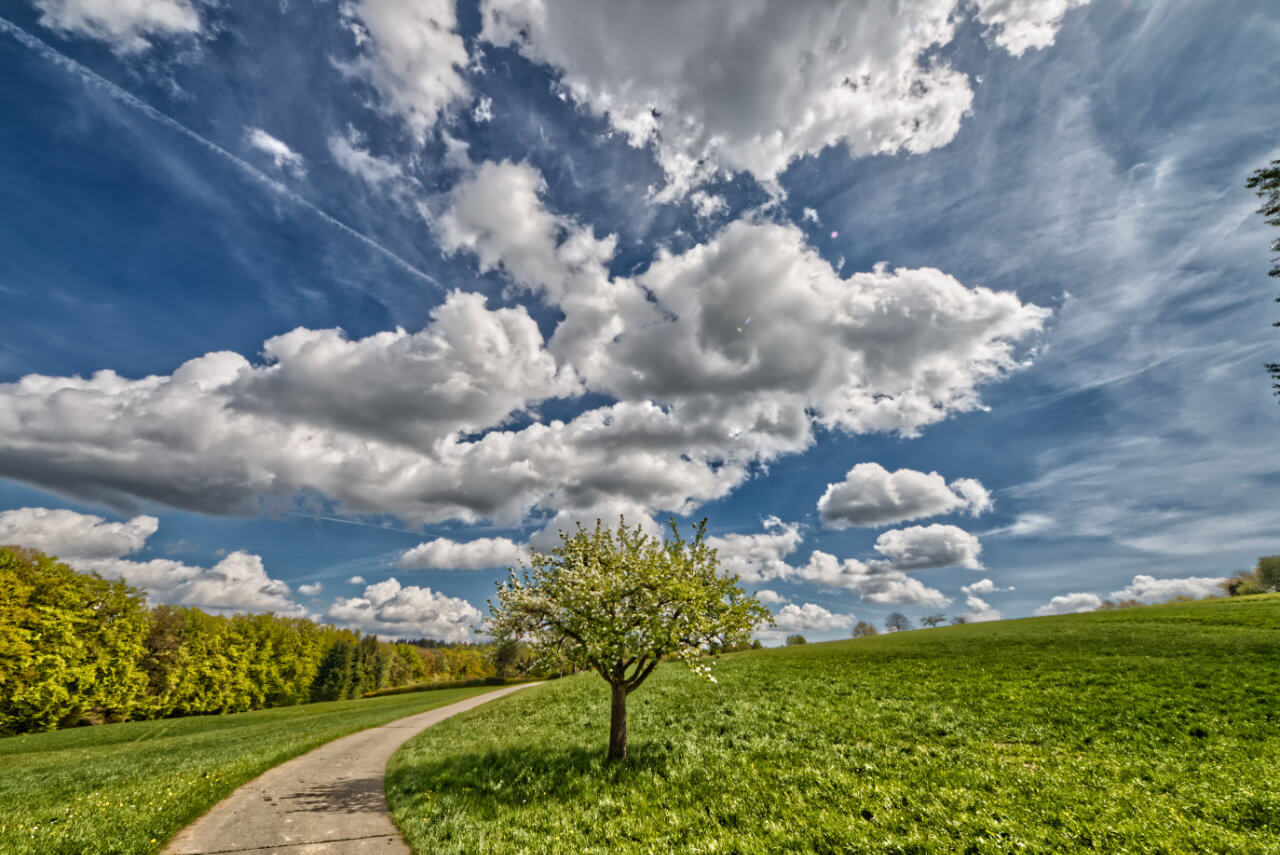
x,y
330,801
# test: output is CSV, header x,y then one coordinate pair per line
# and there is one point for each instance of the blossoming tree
x,y
620,602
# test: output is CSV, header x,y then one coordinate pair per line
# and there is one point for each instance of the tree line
x,y
76,648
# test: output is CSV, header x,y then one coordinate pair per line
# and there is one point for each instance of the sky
x,y
338,309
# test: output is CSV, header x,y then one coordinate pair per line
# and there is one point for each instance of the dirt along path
x,y
329,801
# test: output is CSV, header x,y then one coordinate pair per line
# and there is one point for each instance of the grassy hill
x,y
128,788
1144,730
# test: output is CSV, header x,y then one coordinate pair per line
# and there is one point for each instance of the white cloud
x,y
793,618
127,26
810,215
310,590
1149,589
1067,603
870,495
758,557
1017,25
412,55
88,543
466,370
706,205
238,583
878,351
70,535
391,610
979,610
769,597
875,581
412,424
983,586
478,554
380,173
920,547
705,85
1024,525
284,158
484,110
753,86
356,580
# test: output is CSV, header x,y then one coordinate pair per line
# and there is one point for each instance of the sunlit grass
x,y
1147,730
127,788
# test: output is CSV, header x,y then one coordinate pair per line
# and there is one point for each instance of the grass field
x,y
1148,730
127,788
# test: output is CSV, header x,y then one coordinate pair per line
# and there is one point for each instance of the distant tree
x,y
862,629
620,602
757,644
958,620
1265,182
1112,605
933,620
793,640
1268,572
897,622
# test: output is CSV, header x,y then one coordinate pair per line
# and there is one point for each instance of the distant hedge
x,y
79,649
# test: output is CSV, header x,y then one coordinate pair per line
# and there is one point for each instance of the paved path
x,y
329,801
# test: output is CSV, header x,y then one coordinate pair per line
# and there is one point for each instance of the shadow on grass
x,y
515,776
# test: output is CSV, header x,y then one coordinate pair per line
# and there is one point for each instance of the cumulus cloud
x,y
762,557
478,554
310,590
875,581
753,86
380,173
70,535
356,580
702,85
759,557
769,597
1068,603
466,370
870,495
1019,25
793,618
416,424
1149,589
284,158
127,26
411,54
923,546
391,610
979,610
983,586
879,351
239,582
706,205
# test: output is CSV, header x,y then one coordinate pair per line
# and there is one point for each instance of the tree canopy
x,y
79,649
1265,182
619,602
897,622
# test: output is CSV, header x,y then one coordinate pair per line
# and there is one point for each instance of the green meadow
x,y
128,788
1143,730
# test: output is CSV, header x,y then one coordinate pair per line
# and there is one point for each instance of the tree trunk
x,y
618,724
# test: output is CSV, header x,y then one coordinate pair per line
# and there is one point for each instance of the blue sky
x,y
985,276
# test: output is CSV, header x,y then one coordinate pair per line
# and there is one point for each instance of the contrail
x,y
92,78
418,534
